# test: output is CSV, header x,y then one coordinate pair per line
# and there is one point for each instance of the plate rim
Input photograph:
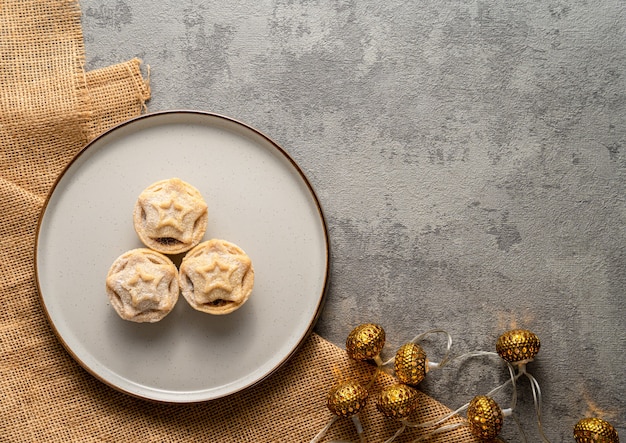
x,y
327,267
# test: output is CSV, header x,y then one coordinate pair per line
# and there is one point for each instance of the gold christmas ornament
x,y
410,364
595,430
365,342
518,346
346,398
484,417
397,401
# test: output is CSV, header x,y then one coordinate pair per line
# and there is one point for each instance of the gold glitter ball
x,y
410,364
397,401
365,342
518,346
484,417
346,398
595,430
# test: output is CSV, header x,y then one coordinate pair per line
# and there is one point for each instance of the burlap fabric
x,y
50,108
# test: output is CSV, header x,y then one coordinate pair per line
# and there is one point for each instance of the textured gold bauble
x,y
397,401
410,364
365,342
484,417
595,430
518,345
346,398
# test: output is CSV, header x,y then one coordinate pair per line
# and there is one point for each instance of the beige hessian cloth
x,y
49,109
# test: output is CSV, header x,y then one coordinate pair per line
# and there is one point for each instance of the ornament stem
x,y
379,362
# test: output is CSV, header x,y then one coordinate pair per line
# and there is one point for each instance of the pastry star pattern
x,y
171,213
220,278
217,275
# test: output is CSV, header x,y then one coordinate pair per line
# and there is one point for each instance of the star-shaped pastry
x,y
216,277
142,285
170,216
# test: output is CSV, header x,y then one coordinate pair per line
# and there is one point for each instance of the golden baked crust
x,y
216,277
170,216
142,285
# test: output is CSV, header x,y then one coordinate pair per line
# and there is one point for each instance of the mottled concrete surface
x,y
470,158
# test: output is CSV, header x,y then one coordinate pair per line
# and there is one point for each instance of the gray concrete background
x,y
470,158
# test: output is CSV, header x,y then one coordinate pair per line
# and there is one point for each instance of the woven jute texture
x,y
49,109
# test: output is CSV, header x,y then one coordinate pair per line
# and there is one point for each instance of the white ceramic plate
x,y
258,198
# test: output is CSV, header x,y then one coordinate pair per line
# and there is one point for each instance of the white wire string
x,y
519,427
359,428
534,384
512,380
398,432
357,425
446,428
324,430
424,334
438,421
378,370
